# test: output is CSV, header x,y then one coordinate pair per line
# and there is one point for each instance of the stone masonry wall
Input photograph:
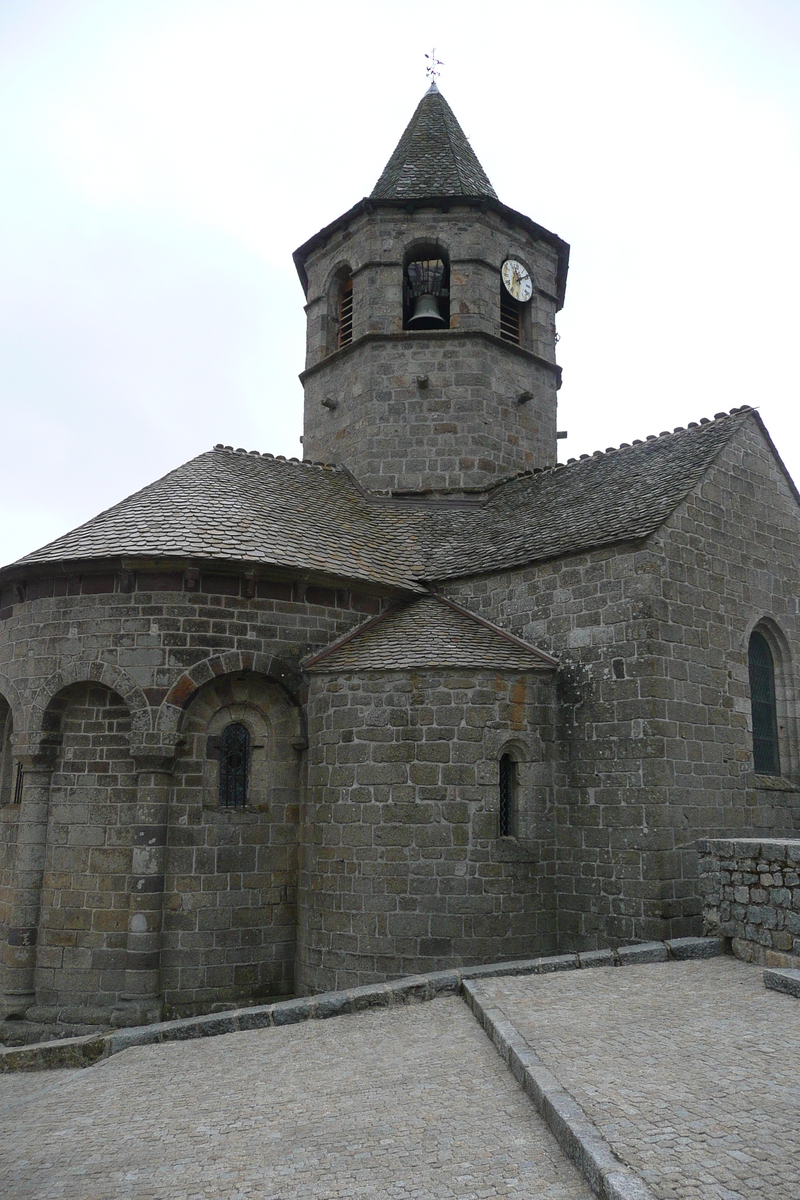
x,y
404,869
230,894
98,662
154,625
465,426
595,613
751,894
654,730
84,918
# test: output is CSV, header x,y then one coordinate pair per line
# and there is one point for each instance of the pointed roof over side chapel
x,y
433,632
432,158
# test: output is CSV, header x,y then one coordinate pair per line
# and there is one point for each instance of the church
x,y
426,698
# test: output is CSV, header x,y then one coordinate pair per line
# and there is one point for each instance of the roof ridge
x,y
351,634
430,594
656,437
702,423
446,124
490,625
240,452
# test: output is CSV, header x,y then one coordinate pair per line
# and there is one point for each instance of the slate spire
x,y
432,158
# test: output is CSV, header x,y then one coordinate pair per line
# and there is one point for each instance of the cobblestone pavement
x,y
690,1070
408,1102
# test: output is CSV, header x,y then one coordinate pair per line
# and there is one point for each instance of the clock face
x,y
517,280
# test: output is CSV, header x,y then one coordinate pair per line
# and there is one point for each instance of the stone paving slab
x,y
688,1069
408,1101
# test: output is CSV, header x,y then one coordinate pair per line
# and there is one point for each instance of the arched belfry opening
x,y
426,288
340,310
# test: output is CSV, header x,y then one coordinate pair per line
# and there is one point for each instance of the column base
x,y
14,1005
136,1010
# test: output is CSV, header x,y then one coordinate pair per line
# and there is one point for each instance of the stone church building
x,y
427,697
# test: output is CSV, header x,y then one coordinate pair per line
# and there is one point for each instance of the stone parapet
x,y
751,894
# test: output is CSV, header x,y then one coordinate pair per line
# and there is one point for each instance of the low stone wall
x,y
751,894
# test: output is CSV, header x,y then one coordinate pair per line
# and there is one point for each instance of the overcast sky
x,y
161,159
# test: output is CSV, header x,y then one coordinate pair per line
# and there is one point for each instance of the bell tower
x,y
430,360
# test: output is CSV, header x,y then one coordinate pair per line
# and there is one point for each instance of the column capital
x,y
36,751
154,751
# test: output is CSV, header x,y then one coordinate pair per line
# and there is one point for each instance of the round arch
x,y
786,704
44,710
183,691
9,692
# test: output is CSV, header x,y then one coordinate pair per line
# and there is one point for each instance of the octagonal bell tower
x,y
425,371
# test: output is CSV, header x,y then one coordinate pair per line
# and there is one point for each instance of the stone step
x,y
786,980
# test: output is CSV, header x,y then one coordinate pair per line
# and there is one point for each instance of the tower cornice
x,y
436,335
369,205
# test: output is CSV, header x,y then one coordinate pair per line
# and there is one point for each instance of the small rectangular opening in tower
x,y
510,318
346,314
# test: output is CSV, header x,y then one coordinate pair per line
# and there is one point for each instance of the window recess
x,y
346,314
510,318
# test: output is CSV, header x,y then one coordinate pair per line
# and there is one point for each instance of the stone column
x,y
19,958
141,1001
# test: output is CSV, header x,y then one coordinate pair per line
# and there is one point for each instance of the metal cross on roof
x,y
433,62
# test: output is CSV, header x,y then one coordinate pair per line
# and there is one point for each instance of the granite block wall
x,y
83,926
431,410
439,409
100,668
751,894
404,869
654,732
230,893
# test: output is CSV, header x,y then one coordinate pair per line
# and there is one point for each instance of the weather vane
x,y
433,62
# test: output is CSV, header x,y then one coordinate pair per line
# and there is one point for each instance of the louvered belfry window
x,y
510,318
766,758
508,771
234,766
346,313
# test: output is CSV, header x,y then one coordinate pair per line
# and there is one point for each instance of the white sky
x,y
161,159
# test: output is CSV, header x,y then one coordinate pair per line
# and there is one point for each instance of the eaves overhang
x,y
20,573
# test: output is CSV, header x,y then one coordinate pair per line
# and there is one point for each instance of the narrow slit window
x,y
234,766
510,318
766,757
346,314
6,759
18,782
508,787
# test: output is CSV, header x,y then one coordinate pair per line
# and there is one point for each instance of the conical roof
x,y
432,158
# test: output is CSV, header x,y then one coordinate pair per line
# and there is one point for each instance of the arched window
x,y
234,766
766,757
426,288
339,315
345,336
508,796
6,754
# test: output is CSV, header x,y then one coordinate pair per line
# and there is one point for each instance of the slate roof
x,y
621,495
249,508
432,158
431,632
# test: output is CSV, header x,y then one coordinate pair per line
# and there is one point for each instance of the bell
x,y
426,313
